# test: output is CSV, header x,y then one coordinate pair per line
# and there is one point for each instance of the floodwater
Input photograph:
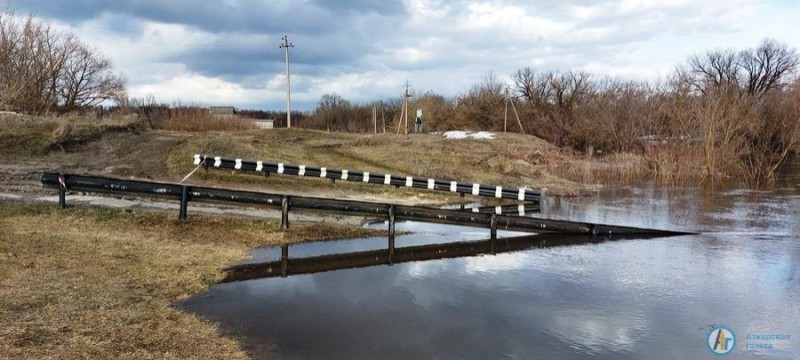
x,y
656,298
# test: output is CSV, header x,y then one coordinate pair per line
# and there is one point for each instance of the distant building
x,y
222,111
265,123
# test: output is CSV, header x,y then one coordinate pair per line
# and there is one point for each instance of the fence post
x,y
284,212
62,192
184,203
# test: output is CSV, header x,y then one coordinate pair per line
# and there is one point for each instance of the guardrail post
x,y
284,260
284,212
391,250
391,221
62,192
391,233
493,226
184,203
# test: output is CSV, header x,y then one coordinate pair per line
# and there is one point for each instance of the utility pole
x,y
406,95
505,115
510,100
516,115
286,45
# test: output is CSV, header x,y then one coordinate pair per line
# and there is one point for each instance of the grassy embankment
x,y
98,283
37,136
509,160
92,145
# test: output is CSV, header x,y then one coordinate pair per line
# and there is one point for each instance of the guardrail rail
x,y
393,212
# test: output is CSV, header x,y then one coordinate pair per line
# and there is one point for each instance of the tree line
x,y
45,71
722,113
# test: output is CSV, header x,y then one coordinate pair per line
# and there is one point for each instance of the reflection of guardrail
x,y
521,194
287,266
186,193
517,209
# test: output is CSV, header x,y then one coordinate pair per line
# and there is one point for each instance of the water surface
x,y
652,298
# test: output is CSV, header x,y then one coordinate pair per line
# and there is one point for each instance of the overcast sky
x,y
226,52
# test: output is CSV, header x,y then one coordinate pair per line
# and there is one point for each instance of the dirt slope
x,y
125,150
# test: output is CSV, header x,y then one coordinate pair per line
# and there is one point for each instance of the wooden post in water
x,y
284,212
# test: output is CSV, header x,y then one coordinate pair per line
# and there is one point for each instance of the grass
x,y
196,118
99,283
510,160
30,135
619,168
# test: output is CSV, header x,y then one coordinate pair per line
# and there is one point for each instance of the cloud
x,y
366,51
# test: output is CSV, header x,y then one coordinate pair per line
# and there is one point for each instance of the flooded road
x,y
656,298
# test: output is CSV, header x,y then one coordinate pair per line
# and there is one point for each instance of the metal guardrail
x,y
392,212
516,209
521,194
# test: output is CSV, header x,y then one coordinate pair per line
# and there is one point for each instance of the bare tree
x,y
482,106
43,70
770,66
333,108
756,71
86,80
712,70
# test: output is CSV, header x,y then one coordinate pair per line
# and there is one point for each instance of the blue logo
x,y
721,340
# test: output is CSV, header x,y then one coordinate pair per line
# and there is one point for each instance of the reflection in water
x,y
287,266
632,299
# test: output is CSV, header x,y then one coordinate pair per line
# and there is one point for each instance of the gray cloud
x,y
360,49
309,17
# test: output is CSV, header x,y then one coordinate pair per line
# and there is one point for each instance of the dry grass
x,y
624,168
66,292
32,135
509,160
194,118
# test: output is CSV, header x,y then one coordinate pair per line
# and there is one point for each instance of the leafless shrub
x,y
481,108
197,118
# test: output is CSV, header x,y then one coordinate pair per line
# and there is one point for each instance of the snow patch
x,y
457,134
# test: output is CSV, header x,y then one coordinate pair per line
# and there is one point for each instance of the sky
x,y
226,52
